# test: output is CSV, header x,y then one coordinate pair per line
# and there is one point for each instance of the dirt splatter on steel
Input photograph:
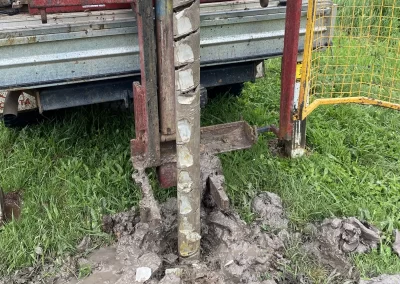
x,y
149,211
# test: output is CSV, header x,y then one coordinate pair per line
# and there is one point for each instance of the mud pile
x,y
232,251
10,206
335,238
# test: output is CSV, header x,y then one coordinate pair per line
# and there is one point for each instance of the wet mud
x,y
231,250
334,239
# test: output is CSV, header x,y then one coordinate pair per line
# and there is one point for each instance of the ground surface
x,y
74,168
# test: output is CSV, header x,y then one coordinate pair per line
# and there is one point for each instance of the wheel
x,y
22,119
233,89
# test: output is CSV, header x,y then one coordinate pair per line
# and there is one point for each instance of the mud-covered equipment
x,y
167,53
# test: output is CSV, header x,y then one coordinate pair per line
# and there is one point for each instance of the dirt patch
x,y
268,206
277,150
335,238
10,206
232,251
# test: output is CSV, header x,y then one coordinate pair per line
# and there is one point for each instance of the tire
x,y
233,89
22,119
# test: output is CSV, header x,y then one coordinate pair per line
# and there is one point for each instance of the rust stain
x,y
32,39
10,41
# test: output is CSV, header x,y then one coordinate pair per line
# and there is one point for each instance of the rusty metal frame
x,y
289,62
215,139
145,149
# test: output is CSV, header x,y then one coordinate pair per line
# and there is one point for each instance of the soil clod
x,y
268,206
396,243
10,206
335,238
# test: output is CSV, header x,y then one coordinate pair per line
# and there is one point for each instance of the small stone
x,y
143,274
38,250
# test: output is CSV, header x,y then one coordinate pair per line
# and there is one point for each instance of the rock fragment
x,y
268,206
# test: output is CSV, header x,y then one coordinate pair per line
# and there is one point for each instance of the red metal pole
x,y
289,61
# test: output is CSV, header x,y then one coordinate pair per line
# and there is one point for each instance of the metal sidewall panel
x,y
79,47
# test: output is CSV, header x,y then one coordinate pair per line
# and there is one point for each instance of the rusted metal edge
x,y
145,149
216,139
289,62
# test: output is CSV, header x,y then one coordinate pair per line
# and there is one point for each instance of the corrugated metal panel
x,y
78,47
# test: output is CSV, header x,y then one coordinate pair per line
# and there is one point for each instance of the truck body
x,y
89,57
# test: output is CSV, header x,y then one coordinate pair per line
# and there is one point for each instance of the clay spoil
x,y
121,224
149,212
268,207
396,243
335,238
231,251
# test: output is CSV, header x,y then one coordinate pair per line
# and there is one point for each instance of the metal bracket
x,y
145,149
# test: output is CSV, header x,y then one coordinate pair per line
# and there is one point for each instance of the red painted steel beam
x,y
80,3
289,61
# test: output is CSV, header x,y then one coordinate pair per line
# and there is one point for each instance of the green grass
x,y
76,168
363,57
71,172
